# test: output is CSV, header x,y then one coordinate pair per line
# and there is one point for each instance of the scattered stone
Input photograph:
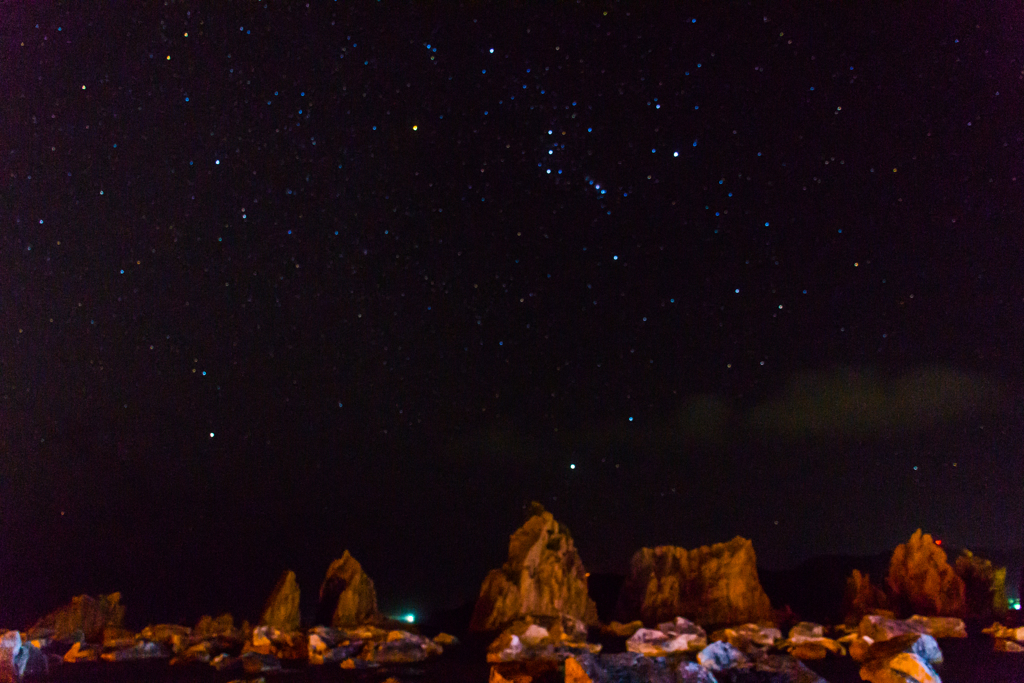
x,y
541,638
775,668
807,641
574,672
859,646
282,608
922,581
402,647
681,635
938,627
84,613
627,667
117,638
142,649
902,668
174,636
720,655
224,626
347,595
10,646
862,597
622,630
543,576
445,639
752,639
1003,645
692,672
715,584
77,653
882,628
997,630
30,660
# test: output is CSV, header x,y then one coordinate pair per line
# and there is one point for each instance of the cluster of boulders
x,y
91,629
1006,639
695,616
538,599
922,581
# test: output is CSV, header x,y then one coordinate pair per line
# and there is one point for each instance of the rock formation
x,y
862,597
921,581
712,585
984,584
282,608
347,595
84,613
543,576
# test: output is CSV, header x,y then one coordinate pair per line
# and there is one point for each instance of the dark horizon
x,y
282,281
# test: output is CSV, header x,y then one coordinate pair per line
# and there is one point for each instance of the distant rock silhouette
x,y
282,608
984,584
84,614
862,597
921,580
711,585
543,576
347,595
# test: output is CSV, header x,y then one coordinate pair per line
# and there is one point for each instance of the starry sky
x,y
281,279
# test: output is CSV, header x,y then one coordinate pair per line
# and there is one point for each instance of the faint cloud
x,y
863,403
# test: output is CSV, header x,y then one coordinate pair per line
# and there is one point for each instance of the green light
x,y
410,617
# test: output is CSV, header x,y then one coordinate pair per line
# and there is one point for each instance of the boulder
x,y
997,630
984,584
938,627
1003,645
347,595
543,576
10,646
861,597
774,668
880,628
904,667
712,585
921,581
84,613
628,667
541,638
751,639
282,608
222,626
719,656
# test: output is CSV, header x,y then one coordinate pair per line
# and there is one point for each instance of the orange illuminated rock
x,y
712,585
282,608
86,614
921,581
543,576
347,595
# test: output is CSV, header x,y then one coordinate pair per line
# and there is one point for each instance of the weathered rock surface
x,y
720,655
282,608
862,597
807,641
84,613
628,667
921,580
680,635
938,627
907,658
880,628
541,638
10,646
751,639
347,595
711,585
543,576
984,584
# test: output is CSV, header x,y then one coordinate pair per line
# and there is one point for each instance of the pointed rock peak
x,y
347,595
543,575
282,608
922,581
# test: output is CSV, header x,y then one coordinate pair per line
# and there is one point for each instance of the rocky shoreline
x,y
685,616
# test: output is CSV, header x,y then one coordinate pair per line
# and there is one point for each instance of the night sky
x,y
281,279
